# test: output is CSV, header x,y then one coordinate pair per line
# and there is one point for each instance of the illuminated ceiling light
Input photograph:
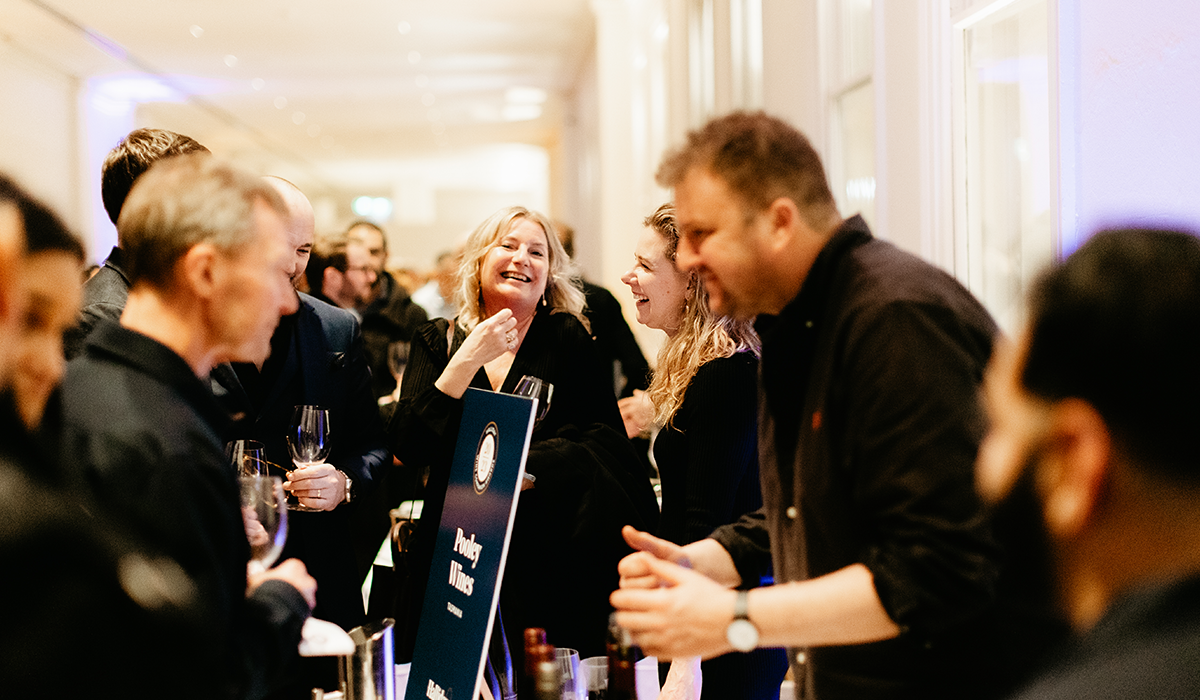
x,y
373,208
525,96
639,62
520,113
314,130
197,31
258,84
280,102
422,81
662,31
428,99
404,27
231,60
414,57
297,118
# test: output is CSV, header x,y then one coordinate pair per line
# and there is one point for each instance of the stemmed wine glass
x,y
308,441
535,388
246,456
264,513
397,355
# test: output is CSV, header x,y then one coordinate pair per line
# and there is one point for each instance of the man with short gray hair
x,y
209,272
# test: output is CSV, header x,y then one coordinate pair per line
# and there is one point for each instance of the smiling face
x,y
728,250
659,289
514,271
52,303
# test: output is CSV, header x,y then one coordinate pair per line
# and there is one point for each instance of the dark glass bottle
x,y
622,683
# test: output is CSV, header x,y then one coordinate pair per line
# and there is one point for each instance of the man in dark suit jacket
x,y
316,359
206,250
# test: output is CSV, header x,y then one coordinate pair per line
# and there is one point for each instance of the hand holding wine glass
x,y
308,442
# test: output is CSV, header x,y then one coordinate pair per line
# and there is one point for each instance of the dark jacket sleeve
x,y
425,421
360,447
749,545
915,423
719,411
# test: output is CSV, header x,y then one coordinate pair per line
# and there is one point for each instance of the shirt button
x,y
793,512
801,658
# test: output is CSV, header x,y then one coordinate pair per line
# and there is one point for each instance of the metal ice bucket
x,y
369,673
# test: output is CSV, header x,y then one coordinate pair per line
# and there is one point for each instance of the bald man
x,y
316,358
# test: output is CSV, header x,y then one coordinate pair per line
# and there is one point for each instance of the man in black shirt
x,y
105,293
391,316
884,564
206,255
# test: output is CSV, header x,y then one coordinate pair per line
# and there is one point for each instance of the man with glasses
x,y
340,273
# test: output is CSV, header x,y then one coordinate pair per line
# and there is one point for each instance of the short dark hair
x,y
134,156
44,230
369,224
327,251
1117,324
760,158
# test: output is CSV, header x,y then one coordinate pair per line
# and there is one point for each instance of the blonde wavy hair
x,y
702,336
562,295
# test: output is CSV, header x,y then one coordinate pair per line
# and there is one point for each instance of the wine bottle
x,y
622,682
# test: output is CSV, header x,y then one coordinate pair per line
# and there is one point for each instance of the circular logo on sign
x,y
485,457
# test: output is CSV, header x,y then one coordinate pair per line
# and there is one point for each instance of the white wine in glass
x,y
308,441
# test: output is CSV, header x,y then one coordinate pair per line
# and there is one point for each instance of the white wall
x,y
40,134
1137,148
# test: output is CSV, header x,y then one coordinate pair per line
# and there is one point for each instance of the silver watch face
x,y
742,635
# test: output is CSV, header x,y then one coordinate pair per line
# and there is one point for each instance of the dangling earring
x,y
544,298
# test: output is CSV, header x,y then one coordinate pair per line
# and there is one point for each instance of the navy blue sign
x,y
472,544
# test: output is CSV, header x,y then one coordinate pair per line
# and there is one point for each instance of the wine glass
x,y
397,356
308,441
246,456
264,513
534,388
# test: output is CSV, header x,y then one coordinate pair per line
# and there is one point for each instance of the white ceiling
x,y
359,81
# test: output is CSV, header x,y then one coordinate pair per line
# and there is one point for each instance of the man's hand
x,y
320,486
684,615
292,572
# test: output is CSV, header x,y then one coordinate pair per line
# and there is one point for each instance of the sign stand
x,y
472,544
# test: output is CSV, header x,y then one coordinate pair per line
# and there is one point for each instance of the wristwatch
x,y
741,633
349,483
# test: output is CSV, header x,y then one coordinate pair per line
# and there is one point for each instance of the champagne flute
x,y
308,441
535,388
264,513
246,456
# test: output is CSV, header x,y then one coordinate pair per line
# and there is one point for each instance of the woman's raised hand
x,y
490,339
